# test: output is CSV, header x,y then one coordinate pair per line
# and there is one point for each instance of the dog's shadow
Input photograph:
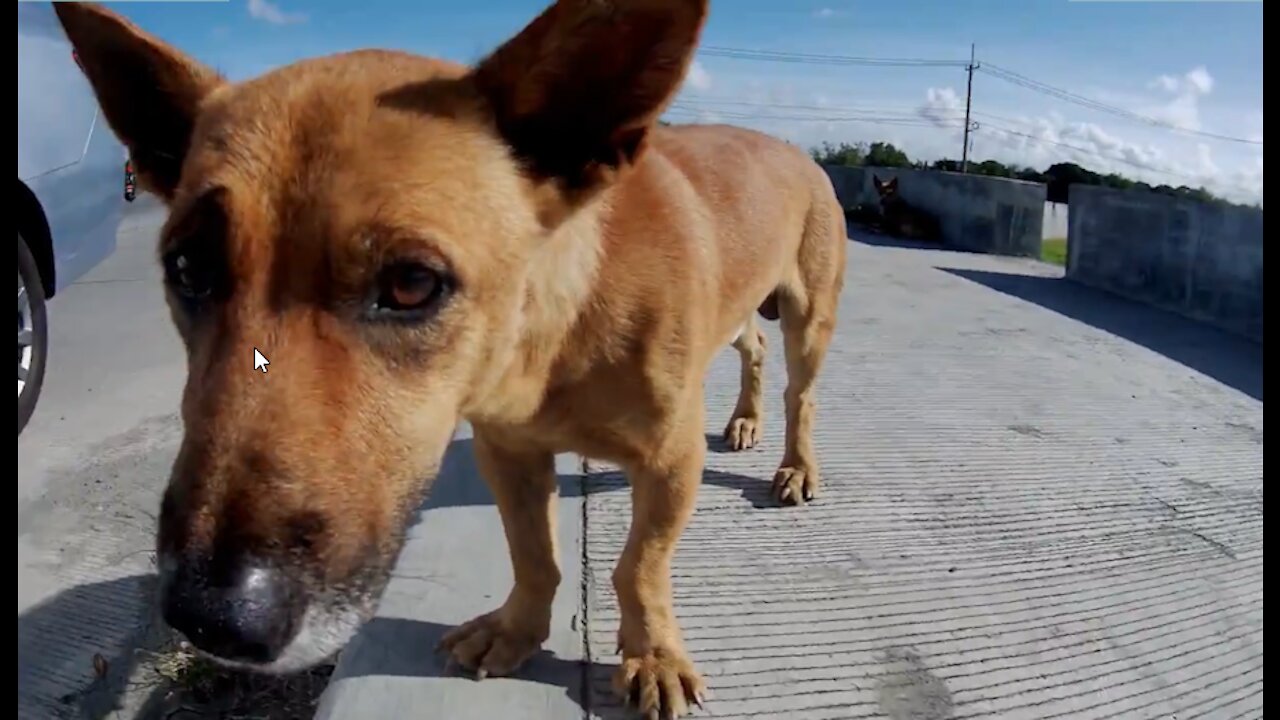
x,y
460,484
384,652
717,444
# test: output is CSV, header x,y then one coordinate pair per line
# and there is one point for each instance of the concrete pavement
x,y
453,567
1040,501
91,467
1024,516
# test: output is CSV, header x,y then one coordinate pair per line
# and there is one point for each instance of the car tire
x,y
33,333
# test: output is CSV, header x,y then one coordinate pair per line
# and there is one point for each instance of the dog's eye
x,y
189,281
408,289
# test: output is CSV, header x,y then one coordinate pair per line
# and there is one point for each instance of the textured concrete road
x,y
91,467
1040,502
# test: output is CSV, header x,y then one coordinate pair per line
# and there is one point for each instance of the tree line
x,y
1057,177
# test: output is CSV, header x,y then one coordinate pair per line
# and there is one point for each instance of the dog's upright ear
x,y
877,182
576,92
149,91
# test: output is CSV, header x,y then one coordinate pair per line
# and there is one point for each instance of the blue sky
x,y
1194,65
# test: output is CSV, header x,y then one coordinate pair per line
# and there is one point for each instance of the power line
x,y
822,59
990,69
1021,80
888,122
888,117
872,118
925,112
825,113
871,114
704,100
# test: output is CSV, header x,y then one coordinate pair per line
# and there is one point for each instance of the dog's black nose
x,y
242,611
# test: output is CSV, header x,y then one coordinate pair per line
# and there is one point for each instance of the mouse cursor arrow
x,y
260,361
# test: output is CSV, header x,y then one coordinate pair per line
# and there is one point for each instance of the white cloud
x,y
1168,83
826,12
943,107
269,12
1201,80
1204,160
1099,149
808,111
1160,158
698,77
1196,81
1183,109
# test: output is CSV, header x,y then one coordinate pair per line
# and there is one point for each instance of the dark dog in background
x,y
902,219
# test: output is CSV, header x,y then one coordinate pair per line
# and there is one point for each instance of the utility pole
x,y
968,102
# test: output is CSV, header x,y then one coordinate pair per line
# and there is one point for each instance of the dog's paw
x,y
795,485
491,645
743,433
659,684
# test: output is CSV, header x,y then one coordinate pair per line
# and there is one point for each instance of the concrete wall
x,y
977,213
1055,220
1200,259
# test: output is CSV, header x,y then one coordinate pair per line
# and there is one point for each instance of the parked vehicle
x,y
69,205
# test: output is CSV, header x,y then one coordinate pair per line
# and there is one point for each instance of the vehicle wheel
x,y
33,334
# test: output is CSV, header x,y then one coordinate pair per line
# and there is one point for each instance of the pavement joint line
x,y
584,593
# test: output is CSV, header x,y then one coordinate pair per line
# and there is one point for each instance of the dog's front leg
x,y
656,675
524,487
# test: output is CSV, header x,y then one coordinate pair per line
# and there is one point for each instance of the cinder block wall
x,y
1200,259
978,213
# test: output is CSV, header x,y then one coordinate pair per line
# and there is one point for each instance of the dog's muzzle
x,y
242,611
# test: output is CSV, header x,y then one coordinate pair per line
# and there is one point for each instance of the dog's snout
x,y
243,611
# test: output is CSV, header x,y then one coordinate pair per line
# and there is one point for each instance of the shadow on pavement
x,y
869,236
459,483
1227,358
59,639
873,238
756,491
386,653
116,620
99,650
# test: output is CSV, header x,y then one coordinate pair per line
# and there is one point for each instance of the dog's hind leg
x,y
808,313
746,424
524,488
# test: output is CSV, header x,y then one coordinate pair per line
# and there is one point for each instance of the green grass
x,y
1054,250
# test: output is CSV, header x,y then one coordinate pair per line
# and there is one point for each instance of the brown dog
x,y
412,243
